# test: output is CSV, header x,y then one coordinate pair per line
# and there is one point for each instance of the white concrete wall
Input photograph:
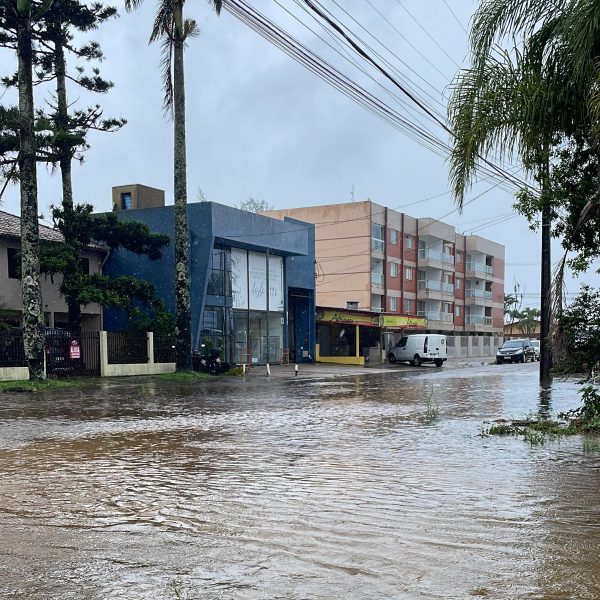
x,y
149,368
14,373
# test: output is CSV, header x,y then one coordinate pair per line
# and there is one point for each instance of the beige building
x,y
374,258
55,309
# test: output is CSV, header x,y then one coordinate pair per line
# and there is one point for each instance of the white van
x,y
420,348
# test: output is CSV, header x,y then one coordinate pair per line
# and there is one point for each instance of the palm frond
x,y
166,65
217,5
163,22
496,19
131,5
495,112
190,29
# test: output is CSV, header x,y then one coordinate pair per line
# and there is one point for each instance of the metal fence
x,y
12,351
164,349
127,348
90,353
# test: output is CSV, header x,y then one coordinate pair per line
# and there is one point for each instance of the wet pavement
x,y
336,487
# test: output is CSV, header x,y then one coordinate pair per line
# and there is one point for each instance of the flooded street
x,y
338,488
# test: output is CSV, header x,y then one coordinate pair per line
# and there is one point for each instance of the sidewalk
x,y
327,370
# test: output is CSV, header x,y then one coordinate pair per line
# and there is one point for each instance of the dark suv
x,y
515,351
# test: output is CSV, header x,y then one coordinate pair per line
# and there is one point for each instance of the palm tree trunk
x,y
183,323
32,313
65,161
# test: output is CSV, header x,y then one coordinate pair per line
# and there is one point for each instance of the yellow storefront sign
x,y
368,320
402,321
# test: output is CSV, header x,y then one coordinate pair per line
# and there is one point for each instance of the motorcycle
x,y
209,361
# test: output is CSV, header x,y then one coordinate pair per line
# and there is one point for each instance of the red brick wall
x,y
411,253
410,286
498,317
393,283
393,249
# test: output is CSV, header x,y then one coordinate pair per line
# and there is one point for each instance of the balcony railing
x,y
478,320
436,286
480,268
436,316
479,294
377,278
377,245
427,254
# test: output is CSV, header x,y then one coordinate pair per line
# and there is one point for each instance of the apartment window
x,y
459,256
409,241
126,202
377,302
393,237
447,307
393,304
377,272
394,269
409,273
409,306
458,311
14,268
352,304
377,241
458,283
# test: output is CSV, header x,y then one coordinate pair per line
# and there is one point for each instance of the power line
x,y
422,29
307,58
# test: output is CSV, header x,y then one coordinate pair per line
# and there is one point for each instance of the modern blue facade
x,y
252,280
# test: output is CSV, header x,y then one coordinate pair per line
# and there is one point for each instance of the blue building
x,y
252,277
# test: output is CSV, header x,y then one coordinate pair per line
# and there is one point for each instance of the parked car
x,y
536,347
420,348
515,351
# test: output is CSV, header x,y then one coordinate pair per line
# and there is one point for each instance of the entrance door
x,y
299,323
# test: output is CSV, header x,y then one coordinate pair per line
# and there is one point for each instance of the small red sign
x,y
74,349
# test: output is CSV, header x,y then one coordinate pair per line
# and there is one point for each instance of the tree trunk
x,y
183,324
65,161
32,313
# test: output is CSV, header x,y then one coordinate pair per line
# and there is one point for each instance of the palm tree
x,y
172,30
523,101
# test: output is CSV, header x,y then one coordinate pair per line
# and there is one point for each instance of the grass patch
x,y
535,431
188,376
431,407
183,376
234,372
38,386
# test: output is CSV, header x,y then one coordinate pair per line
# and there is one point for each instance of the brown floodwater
x,y
339,488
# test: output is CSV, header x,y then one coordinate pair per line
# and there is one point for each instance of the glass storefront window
x,y
275,336
240,336
258,336
213,327
254,281
219,274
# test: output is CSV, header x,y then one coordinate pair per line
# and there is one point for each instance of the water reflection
x,y
296,490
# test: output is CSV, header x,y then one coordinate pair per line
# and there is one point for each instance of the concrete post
x,y
150,346
103,353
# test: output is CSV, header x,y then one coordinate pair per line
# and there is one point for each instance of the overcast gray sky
x,y
259,124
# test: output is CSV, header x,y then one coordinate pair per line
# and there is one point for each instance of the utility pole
x,y
546,304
